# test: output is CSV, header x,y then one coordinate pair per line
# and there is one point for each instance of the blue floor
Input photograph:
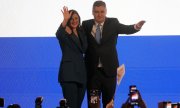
x,y
29,68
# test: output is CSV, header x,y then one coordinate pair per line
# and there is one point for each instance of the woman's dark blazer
x,y
72,65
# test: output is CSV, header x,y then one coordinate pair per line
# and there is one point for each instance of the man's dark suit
x,y
72,67
106,51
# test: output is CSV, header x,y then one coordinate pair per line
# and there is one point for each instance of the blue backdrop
x,y
29,68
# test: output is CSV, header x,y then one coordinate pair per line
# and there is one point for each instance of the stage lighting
x,y
14,106
38,102
1,102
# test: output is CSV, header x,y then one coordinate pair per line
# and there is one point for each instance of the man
x,y
101,56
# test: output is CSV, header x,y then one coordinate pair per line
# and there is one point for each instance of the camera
x,y
134,96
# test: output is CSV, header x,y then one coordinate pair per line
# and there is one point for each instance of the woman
x,y
72,72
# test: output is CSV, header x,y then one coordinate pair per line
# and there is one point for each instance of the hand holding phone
x,y
133,93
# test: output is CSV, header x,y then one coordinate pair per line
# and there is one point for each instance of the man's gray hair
x,y
99,3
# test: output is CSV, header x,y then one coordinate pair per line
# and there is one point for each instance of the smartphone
x,y
132,88
133,93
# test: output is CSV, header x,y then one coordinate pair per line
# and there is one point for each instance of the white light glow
x,y
31,18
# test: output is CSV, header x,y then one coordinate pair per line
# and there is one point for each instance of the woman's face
x,y
74,22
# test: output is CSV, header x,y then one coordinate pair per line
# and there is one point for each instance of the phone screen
x,y
134,96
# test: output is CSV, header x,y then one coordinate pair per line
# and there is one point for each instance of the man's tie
x,y
98,34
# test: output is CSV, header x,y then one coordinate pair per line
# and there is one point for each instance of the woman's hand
x,y
66,15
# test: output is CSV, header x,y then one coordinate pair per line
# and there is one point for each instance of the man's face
x,y
99,13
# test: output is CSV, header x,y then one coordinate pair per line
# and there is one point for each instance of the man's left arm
x,y
128,29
